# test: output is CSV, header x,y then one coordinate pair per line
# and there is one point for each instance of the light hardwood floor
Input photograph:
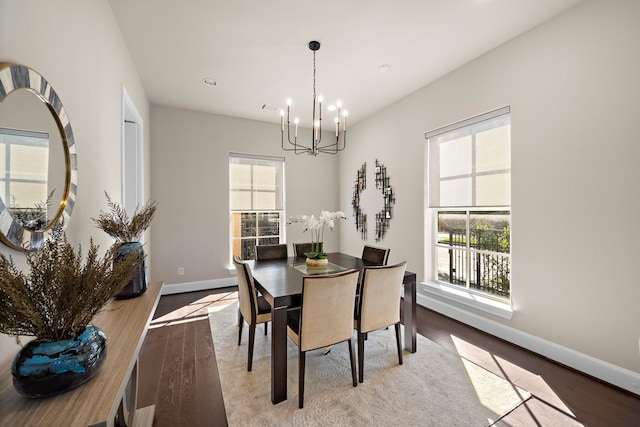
x,y
178,371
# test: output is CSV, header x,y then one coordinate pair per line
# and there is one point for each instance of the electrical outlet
x,y
180,271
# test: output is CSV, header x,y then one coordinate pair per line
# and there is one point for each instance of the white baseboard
x,y
177,288
620,377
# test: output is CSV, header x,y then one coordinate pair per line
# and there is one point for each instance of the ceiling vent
x,y
271,108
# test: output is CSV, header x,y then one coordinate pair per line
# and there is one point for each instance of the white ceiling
x,y
257,50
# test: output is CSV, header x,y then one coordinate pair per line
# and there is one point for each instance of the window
x,y
256,202
24,166
470,203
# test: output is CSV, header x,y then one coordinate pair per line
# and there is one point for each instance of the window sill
x,y
442,292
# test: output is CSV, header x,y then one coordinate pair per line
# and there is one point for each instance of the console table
x,y
107,398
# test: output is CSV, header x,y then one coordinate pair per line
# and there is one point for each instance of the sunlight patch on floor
x,y
194,311
511,372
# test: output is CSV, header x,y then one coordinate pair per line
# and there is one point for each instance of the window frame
x,y
20,138
433,286
279,200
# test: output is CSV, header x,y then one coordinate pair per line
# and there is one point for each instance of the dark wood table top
x,y
283,286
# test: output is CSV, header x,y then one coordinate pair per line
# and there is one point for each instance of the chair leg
x,y
302,355
265,327
398,341
361,338
240,324
353,363
252,337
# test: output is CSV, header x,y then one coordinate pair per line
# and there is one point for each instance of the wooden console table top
x,y
96,402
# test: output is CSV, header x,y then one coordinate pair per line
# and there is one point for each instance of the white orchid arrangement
x,y
317,226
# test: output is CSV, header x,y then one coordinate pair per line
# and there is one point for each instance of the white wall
x,y
573,88
76,45
190,174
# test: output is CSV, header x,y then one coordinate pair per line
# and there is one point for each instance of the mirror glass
x,y
37,161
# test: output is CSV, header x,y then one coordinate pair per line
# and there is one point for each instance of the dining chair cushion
x,y
299,249
253,309
380,294
264,252
328,320
263,308
325,318
375,256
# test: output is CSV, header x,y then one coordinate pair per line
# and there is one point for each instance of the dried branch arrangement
x,y
117,224
60,295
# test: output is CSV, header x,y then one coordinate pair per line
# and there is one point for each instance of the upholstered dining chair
x,y
277,251
299,249
325,318
375,256
253,308
379,305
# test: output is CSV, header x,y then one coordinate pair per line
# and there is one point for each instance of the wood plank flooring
x,y
178,371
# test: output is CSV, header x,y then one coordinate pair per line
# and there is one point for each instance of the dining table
x,y
280,283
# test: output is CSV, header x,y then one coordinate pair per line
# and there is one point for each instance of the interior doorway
x,y
132,158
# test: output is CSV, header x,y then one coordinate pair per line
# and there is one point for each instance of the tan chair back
x,y
375,256
327,309
246,290
264,252
380,294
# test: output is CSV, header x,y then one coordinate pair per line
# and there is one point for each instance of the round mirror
x,y
38,167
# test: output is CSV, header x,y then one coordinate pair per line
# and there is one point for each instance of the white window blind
x,y
470,162
256,183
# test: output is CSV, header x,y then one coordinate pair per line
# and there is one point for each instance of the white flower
x,y
316,225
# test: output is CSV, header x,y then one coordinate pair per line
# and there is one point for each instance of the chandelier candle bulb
x,y
296,131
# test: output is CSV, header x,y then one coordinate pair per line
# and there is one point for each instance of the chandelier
x,y
316,147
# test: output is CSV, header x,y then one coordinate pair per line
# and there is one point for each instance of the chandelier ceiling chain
x,y
316,125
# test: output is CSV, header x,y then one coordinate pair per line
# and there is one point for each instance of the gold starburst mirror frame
x,y
28,220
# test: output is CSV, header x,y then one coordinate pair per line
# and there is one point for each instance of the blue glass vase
x,y
138,284
43,369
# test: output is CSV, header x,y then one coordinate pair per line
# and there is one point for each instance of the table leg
x,y
278,354
410,324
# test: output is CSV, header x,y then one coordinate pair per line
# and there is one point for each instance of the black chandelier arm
x,y
333,148
336,145
297,148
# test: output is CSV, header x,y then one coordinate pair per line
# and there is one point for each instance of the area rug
x,y
434,386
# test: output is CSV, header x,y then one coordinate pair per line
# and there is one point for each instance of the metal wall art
x,y
384,216
361,217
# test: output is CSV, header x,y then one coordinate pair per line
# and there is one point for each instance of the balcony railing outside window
x,y
473,251
253,228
